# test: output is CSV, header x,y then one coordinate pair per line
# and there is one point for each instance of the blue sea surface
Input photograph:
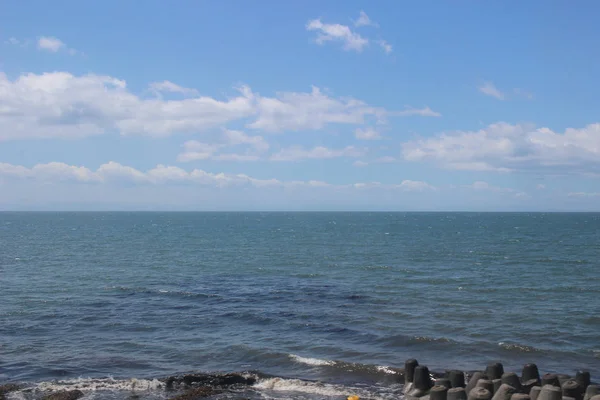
x,y
333,297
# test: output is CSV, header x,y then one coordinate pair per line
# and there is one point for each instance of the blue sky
x,y
229,105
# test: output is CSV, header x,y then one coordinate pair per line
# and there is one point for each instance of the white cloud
x,y
422,112
489,89
296,153
385,160
504,147
302,111
387,48
523,93
116,173
59,104
16,42
360,163
540,186
254,146
364,20
50,43
170,87
367,134
337,33
584,194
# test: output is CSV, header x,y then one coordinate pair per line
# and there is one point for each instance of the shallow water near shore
x,y
339,298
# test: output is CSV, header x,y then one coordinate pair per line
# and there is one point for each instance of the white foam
x,y
310,361
296,385
92,385
386,369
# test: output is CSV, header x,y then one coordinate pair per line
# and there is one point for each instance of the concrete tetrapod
x,y
409,373
597,397
535,392
473,381
457,393
497,383
583,378
422,382
591,391
443,382
550,379
457,378
486,384
504,392
562,378
479,393
511,379
571,388
494,371
520,396
550,392
438,392
530,371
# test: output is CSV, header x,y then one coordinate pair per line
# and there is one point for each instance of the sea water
x,y
316,305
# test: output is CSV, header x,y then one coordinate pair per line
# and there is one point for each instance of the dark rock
x,y
550,379
196,393
456,393
479,393
530,371
457,378
438,392
64,395
422,380
494,371
473,381
210,380
7,388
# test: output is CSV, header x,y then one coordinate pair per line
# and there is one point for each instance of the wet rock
x,y
530,371
212,380
196,393
7,388
64,395
583,378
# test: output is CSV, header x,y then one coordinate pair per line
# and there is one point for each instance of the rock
x,y
520,396
7,388
196,393
486,384
497,383
64,395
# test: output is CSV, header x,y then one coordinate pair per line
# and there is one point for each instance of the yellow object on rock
x,y
353,398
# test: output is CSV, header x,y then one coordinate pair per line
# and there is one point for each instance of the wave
x,y
521,348
297,386
311,361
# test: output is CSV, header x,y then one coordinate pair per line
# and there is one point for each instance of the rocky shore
x,y
491,383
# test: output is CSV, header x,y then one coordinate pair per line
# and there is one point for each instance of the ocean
x,y
310,305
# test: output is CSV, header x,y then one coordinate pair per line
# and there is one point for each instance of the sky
x,y
311,105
